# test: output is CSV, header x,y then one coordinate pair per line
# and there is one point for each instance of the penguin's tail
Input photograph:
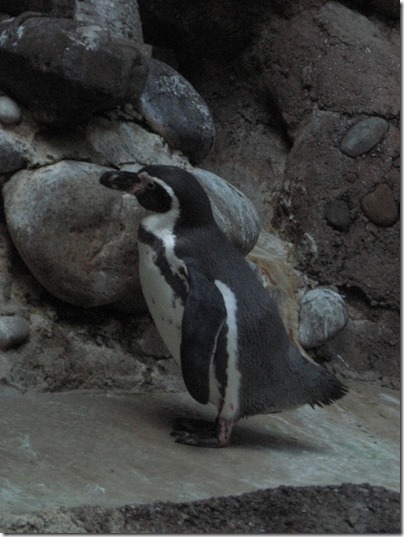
x,y
317,386
330,389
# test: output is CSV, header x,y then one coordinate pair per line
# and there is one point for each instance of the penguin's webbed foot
x,y
202,433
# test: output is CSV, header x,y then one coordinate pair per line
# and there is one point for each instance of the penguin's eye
x,y
151,186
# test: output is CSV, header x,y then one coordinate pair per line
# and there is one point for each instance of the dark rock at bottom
x,y
346,508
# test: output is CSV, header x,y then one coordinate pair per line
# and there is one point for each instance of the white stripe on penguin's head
x,y
162,221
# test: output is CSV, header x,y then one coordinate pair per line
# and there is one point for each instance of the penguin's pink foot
x,y
202,433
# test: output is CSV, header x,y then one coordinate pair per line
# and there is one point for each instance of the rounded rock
x,y
323,314
173,109
363,136
10,112
12,153
77,237
338,215
233,211
380,206
13,332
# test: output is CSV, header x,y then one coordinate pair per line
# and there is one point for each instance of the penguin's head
x,y
161,189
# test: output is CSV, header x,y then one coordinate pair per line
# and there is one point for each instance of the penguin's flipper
x,y
203,319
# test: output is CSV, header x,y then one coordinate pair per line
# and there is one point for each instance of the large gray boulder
x,y
79,239
64,71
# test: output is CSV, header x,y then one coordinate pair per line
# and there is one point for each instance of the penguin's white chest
x,y
165,305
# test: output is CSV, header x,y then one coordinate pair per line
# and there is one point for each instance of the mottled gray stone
x,y
233,211
363,136
323,313
10,112
380,206
338,215
173,109
12,153
77,237
13,332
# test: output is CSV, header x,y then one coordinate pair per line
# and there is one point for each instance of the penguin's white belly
x,y
166,309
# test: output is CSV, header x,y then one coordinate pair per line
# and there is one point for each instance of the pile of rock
x,y
83,94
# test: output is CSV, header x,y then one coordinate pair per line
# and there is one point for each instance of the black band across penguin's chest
x,y
168,272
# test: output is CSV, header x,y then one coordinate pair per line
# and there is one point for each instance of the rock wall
x,y
306,103
286,112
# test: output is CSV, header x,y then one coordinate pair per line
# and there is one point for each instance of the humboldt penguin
x,y
218,321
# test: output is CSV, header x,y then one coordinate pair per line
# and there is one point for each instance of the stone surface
x,y
118,17
173,109
64,71
363,256
334,58
250,150
10,112
363,136
13,332
106,449
77,238
126,142
323,314
13,154
380,206
233,211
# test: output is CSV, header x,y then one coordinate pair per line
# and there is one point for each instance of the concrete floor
x,y
74,448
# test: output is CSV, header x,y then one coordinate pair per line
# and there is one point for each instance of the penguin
x,y
219,323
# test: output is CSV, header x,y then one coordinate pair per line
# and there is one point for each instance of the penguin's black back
x,y
274,374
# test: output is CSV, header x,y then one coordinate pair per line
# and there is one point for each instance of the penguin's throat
x,y
161,224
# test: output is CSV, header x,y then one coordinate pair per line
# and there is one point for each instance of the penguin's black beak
x,y
126,181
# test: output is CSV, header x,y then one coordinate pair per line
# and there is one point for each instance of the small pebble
x,y
13,332
338,215
380,206
363,136
351,178
10,112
